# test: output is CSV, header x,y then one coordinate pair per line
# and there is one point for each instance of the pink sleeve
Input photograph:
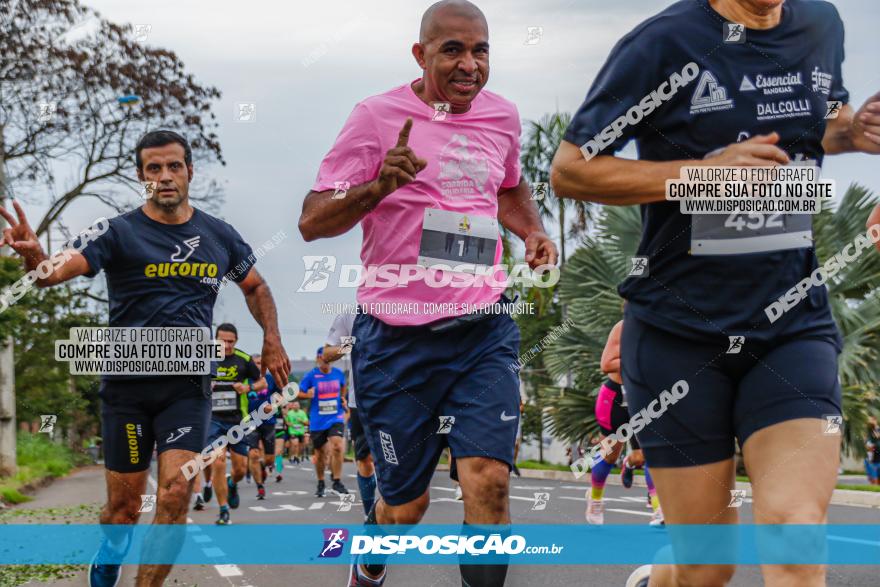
x,y
356,155
512,169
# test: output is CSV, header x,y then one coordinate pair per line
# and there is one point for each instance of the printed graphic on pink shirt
x,y
463,171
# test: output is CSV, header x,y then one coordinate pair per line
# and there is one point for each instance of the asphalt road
x,y
292,502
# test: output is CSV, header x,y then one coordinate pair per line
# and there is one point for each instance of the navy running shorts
x,y
358,438
221,428
420,391
264,433
729,395
165,412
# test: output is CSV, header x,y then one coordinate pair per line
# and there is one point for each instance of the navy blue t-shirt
x,y
777,80
166,274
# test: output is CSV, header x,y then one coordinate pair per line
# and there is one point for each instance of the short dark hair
x,y
160,138
227,327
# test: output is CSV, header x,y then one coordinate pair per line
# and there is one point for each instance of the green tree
x,y
44,385
589,289
542,140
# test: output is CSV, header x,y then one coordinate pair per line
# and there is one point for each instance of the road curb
x,y
839,497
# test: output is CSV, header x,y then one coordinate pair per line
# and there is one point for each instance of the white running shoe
x,y
657,520
458,492
595,510
639,577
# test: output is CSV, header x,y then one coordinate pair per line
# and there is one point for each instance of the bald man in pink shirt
x,y
429,169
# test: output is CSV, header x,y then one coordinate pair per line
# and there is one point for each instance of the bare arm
x,y
262,307
519,214
65,265
324,217
610,361
332,353
854,132
607,179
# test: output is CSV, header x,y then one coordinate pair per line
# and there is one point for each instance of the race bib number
x,y
327,407
279,425
451,240
737,234
224,401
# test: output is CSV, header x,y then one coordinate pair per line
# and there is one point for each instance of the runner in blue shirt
x,y
693,87
325,387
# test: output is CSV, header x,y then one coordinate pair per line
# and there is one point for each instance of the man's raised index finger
x,y
403,137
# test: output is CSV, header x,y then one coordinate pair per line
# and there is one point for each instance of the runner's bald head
x,y
432,20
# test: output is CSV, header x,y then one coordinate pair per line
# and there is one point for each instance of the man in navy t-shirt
x,y
164,263
740,83
324,386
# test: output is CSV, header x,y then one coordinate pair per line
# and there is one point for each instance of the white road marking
x,y
202,538
291,492
228,570
633,512
452,489
281,508
584,499
451,500
317,505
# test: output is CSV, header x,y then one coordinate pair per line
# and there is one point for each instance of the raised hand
x,y
401,165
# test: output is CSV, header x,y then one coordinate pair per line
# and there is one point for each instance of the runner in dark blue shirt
x,y
324,386
724,83
164,262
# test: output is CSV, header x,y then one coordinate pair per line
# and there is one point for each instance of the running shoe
x,y
320,491
595,510
639,577
233,493
223,518
358,579
458,495
278,478
626,475
338,487
105,574
207,493
261,493
657,520
200,503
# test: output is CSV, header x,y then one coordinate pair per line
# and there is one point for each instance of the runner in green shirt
x,y
297,426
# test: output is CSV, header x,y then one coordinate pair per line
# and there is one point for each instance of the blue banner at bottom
x,y
523,544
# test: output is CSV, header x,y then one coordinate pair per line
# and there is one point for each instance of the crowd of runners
x,y
431,170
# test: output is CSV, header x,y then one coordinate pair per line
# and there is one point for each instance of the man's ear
x,y
418,51
140,174
189,171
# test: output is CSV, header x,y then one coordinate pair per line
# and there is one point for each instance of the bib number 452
x,y
739,222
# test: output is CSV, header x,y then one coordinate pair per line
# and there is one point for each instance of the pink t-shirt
x,y
470,157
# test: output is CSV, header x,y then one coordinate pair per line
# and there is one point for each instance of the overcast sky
x,y
254,52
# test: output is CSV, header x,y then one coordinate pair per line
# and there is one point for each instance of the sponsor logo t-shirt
x,y
325,408
779,80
